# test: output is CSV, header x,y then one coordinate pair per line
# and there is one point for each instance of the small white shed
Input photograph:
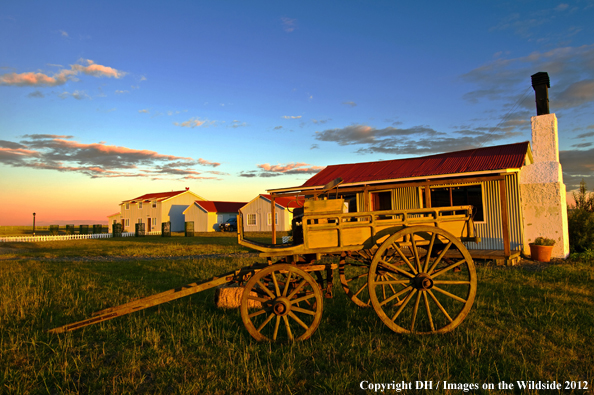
x,y
207,215
257,216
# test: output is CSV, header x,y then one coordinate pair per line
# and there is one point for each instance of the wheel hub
x,y
281,306
423,282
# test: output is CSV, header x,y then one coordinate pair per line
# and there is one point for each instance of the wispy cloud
x,y
571,68
292,116
415,140
84,66
194,122
237,124
78,95
289,24
61,153
121,92
350,103
63,33
36,94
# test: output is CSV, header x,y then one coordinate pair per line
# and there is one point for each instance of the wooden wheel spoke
x,y
429,250
386,282
270,317
396,295
301,299
428,312
287,282
397,269
297,289
446,293
440,306
304,311
288,327
261,300
259,312
415,311
357,277
452,282
415,252
361,289
293,316
276,288
404,303
404,258
276,325
441,255
448,268
272,296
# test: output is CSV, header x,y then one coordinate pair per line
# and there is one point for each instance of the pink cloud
x,y
61,77
290,168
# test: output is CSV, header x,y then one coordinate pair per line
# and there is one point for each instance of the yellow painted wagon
x,y
410,266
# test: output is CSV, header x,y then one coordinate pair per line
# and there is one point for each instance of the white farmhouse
x,y
257,215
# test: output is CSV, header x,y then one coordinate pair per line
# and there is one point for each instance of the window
x,y
155,204
128,222
139,220
154,222
251,219
381,201
460,196
275,219
127,206
139,204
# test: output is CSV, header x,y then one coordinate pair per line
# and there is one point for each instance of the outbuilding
x,y
257,215
207,215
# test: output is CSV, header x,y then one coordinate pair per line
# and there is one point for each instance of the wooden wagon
x,y
410,266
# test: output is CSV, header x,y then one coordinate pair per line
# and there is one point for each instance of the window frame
x,y
450,186
255,218
269,217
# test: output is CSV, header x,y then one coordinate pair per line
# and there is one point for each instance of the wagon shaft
x,y
157,299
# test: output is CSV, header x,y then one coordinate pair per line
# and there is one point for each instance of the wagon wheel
x,y
415,288
353,271
289,304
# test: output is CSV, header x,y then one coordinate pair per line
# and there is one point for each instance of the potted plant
x,y
541,249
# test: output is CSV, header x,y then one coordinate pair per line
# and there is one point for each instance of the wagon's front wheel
x,y
415,286
281,302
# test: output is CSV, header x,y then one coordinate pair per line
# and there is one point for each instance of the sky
x,y
103,102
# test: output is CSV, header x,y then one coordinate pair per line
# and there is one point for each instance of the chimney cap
x,y
541,78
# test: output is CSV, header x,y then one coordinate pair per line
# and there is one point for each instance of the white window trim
x,y
255,220
269,217
139,205
127,206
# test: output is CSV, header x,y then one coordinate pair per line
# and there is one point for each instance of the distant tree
x,y
584,200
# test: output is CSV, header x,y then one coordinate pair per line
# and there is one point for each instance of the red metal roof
x,y
220,207
285,202
155,196
510,156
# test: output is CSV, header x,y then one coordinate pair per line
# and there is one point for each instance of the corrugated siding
x,y
490,230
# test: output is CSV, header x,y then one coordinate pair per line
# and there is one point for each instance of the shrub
x,y
581,230
543,241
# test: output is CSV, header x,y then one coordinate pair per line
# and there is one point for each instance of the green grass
x,y
527,323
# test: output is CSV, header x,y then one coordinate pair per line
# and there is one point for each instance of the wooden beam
x,y
504,221
427,196
272,215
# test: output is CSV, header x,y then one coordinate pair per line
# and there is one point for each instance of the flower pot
x,y
540,253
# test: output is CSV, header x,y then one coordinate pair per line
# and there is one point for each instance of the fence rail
x,y
30,239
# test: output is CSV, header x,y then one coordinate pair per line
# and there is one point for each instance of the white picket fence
x,y
30,239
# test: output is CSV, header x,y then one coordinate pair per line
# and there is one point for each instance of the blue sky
x,y
105,102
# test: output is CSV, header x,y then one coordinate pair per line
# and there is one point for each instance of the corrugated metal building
x,y
486,178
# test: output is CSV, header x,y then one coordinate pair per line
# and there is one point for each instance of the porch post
x,y
272,215
504,221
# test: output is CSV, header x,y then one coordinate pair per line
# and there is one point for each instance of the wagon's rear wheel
x,y
354,272
414,287
281,302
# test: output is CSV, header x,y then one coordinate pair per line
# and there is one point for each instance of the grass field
x,y
530,323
